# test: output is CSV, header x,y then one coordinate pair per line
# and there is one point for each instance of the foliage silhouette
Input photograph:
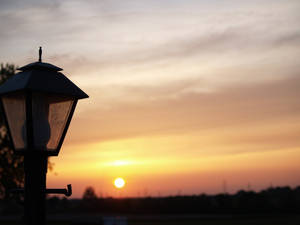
x,y
89,194
11,165
89,200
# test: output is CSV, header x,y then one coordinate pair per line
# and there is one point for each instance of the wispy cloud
x,y
248,113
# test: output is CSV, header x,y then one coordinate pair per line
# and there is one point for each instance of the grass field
x,y
241,220
278,220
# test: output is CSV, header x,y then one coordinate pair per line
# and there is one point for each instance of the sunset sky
x,y
186,96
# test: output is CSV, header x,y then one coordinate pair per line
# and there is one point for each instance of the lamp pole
x,y
35,167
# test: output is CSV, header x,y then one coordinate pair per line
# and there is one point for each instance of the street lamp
x,y
38,105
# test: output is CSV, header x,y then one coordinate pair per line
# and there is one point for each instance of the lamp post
x,y
38,105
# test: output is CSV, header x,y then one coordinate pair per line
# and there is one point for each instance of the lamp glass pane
x,y
50,114
15,110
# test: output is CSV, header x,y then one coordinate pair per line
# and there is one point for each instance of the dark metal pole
x,y
35,188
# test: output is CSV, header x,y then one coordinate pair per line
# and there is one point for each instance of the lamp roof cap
x,y
40,66
42,77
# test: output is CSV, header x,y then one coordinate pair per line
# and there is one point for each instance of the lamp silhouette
x,y
38,105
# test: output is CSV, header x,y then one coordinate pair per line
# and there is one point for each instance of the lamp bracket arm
x,y
67,192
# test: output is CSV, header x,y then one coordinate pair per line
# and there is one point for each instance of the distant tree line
x,y
272,200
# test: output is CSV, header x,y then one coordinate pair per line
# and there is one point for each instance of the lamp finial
x,y
40,54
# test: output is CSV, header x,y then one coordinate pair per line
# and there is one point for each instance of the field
x,y
174,220
238,221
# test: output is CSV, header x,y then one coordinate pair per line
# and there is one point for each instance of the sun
x,y
119,182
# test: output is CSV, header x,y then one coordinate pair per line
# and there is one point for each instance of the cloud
x,y
233,39
141,30
253,117
291,39
154,70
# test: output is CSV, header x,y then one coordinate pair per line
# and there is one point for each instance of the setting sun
x,y
119,182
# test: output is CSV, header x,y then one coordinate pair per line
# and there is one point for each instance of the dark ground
x,y
93,219
273,206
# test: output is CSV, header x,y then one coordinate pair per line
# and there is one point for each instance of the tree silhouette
x,y
89,194
11,165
